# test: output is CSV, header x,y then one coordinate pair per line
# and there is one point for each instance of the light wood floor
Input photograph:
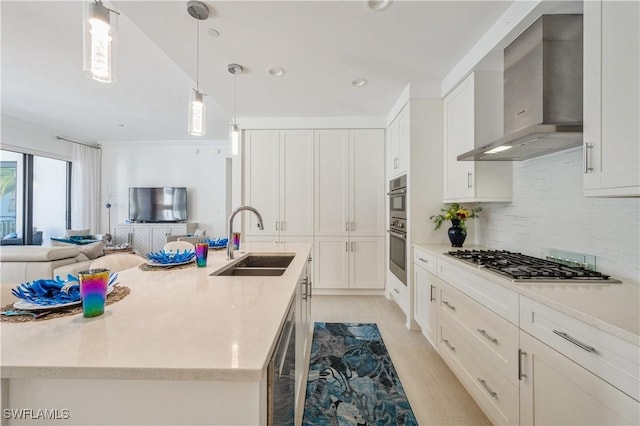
x,y
435,394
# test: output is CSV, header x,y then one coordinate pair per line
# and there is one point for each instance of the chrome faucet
x,y
233,215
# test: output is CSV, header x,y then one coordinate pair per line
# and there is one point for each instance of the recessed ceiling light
x,y
359,82
276,71
120,125
378,5
213,32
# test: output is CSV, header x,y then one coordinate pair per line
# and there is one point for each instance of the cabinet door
x,y
296,182
611,98
332,182
158,237
262,189
556,391
393,141
331,262
459,133
404,140
141,239
426,302
367,213
121,234
366,262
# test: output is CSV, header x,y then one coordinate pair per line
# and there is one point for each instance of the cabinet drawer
x,y
400,294
499,299
425,260
607,356
491,334
494,392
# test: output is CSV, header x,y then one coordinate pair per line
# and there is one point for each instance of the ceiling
x,y
322,45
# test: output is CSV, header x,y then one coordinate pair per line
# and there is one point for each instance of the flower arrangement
x,y
456,212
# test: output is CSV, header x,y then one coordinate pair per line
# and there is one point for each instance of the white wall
x,y
34,139
200,166
548,210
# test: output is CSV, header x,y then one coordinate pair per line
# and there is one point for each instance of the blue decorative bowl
x,y
170,257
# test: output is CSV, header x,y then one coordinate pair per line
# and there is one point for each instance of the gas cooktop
x,y
522,268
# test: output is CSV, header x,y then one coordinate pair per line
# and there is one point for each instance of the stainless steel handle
x,y
396,290
397,192
277,227
487,336
469,174
575,341
284,338
304,283
352,246
431,298
353,226
521,353
587,158
422,259
487,388
448,305
446,342
397,235
346,246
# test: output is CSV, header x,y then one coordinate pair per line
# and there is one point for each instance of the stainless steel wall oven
x,y
398,227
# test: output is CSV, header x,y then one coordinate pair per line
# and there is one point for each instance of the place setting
x,y
88,293
163,260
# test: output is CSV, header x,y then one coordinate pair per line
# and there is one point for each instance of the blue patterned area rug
x,y
352,380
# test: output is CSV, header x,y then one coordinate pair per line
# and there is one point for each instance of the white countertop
x,y
613,308
178,324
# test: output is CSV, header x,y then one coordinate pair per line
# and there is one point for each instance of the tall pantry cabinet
x,y
349,205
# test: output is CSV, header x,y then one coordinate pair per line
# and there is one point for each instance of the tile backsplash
x,y
549,210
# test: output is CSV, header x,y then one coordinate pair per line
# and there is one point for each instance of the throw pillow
x,y
92,250
76,233
10,236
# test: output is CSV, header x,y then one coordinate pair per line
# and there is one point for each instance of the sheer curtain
x,y
85,188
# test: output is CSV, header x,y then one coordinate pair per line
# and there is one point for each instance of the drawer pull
x,y
396,290
431,298
446,342
487,336
448,305
423,260
487,388
574,341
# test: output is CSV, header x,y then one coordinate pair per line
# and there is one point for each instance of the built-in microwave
x,y
398,197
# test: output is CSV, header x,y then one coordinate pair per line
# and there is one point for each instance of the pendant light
x,y
100,41
197,121
234,130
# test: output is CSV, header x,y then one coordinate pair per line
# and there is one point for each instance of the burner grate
x,y
521,267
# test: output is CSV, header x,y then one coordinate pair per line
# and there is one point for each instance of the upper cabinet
x,y
399,138
473,117
611,99
279,181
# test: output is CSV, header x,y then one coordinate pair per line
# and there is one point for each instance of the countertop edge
x,y
598,323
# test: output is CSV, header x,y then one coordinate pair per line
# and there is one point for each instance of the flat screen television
x,y
168,204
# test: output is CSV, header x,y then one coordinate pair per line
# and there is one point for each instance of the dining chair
x,y
174,246
118,262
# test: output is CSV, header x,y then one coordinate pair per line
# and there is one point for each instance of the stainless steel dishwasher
x,y
281,372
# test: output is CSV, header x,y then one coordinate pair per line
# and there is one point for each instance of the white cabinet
x,y
349,262
611,98
349,209
473,117
149,237
554,390
427,299
399,138
349,182
303,329
279,182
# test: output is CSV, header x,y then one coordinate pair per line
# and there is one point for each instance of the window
x,y
34,194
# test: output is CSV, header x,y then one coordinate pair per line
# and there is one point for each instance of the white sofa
x,y
20,264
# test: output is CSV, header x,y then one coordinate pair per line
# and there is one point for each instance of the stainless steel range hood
x,y
542,92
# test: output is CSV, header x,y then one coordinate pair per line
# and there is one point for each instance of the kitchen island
x,y
184,347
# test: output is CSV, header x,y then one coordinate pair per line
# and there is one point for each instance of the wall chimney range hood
x,y
542,92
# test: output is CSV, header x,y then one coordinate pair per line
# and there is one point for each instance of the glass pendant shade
x,y
100,42
234,136
197,114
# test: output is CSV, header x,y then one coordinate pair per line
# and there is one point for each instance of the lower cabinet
x,y
349,262
149,237
554,390
426,299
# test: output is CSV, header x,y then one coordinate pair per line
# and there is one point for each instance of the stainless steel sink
x,y
257,265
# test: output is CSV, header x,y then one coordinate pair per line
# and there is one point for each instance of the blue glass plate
x,y
217,242
50,293
171,258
